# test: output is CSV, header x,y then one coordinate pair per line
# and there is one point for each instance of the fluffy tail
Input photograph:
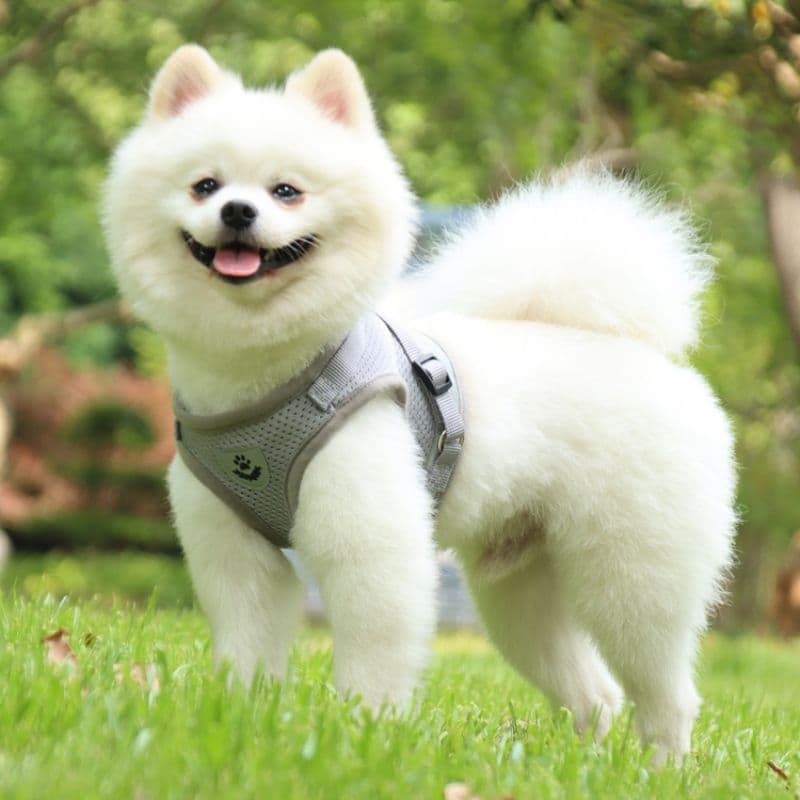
x,y
588,251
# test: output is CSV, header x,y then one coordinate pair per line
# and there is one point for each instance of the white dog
x,y
592,503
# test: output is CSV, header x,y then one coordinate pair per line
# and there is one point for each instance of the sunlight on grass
x,y
143,715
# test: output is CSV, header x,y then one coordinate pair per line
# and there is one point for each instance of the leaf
x,y
58,649
777,770
459,791
143,675
146,676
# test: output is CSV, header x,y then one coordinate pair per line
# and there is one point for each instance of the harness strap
x,y
432,370
334,385
254,458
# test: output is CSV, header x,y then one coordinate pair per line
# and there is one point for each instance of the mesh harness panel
x,y
254,458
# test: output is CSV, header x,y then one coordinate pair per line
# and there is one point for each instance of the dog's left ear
x,y
188,74
332,82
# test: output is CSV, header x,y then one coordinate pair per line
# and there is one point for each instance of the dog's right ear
x,y
187,75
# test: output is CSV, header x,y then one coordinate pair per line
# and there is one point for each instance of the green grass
x,y
76,732
110,577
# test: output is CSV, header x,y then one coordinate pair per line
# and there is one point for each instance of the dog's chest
x,y
254,458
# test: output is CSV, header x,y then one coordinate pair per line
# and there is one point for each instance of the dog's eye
x,y
205,187
286,193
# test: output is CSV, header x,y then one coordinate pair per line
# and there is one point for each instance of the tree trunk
x,y
5,434
782,200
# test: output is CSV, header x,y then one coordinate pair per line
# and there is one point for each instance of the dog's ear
x,y
187,75
332,82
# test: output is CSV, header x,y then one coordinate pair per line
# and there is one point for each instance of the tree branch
x,y
781,18
30,49
695,71
615,159
33,331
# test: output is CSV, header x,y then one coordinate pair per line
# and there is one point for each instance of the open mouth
x,y
237,262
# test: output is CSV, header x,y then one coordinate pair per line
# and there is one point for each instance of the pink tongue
x,y
237,263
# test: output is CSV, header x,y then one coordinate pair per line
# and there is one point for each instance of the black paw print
x,y
245,469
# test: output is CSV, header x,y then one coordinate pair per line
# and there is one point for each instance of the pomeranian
x,y
591,503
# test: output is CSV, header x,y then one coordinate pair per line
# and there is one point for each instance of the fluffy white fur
x,y
543,253
592,506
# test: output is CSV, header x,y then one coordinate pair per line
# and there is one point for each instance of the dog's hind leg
x,y
532,625
653,659
246,586
644,600
657,676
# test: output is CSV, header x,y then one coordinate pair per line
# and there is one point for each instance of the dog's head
x,y
235,216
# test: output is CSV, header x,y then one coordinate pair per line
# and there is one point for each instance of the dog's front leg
x,y
364,529
246,586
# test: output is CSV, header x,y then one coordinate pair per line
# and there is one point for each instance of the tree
x,y
701,96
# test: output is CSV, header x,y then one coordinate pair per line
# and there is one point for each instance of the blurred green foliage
x,y
100,529
109,423
146,579
472,97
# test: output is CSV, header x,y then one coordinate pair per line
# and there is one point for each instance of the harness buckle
x,y
430,370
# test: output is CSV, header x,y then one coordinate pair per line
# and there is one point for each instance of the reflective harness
x,y
254,458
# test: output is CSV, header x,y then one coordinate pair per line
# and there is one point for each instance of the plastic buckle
x,y
437,381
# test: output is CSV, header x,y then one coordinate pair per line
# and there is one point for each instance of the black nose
x,y
238,215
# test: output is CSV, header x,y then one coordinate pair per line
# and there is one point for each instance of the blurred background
x,y
700,97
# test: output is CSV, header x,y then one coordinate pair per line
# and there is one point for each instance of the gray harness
x,y
254,458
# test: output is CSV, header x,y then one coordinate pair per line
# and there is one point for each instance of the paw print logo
x,y
245,469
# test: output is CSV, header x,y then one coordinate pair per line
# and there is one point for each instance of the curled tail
x,y
588,251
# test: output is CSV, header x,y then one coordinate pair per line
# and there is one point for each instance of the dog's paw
x,y
598,708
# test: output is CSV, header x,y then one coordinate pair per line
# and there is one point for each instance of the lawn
x,y
140,714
